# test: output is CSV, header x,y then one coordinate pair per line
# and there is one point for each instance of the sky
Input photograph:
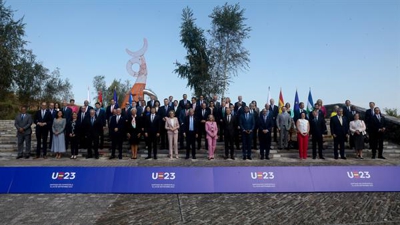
x,y
342,49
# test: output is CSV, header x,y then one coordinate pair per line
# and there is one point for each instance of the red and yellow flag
x,y
281,102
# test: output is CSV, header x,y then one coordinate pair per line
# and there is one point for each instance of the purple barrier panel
x,y
6,178
163,180
262,179
62,180
355,178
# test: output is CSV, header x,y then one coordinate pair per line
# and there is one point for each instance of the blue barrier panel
x,y
262,179
6,178
355,178
198,179
163,180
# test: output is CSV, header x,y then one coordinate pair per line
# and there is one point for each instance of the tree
x,y
11,46
228,33
197,66
391,112
55,88
120,88
99,84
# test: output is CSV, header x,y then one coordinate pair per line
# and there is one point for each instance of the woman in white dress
x,y
58,144
357,129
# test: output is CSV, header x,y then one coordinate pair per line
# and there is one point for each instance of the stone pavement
x,y
263,208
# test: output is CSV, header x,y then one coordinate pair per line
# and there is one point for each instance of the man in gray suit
x,y
283,122
23,123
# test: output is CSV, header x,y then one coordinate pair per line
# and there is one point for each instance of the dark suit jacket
x,y
274,113
265,125
195,124
256,116
46,119
162,112
93,129
320,114
109,113
338,129
347,113
229,128
248,124
375,124
152,127
120,125
67,114
102,117
182,104
237,105
317,128
199,114
87,110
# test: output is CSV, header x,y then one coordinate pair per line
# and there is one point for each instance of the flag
x,y
130,98
281,102
296,104
310,103
100,97
88,94
115,98
269,95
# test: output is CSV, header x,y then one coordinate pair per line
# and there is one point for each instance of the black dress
x,y
134,129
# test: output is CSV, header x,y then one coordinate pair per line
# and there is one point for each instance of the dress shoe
x,y
244,158
336,157
344,157
119,157
249,158
381,157
187,157
233,158
321,157
194,157
267,158
361,157
19,157
112,157
373,157
88,157
96,157
314,157
225,157
44,157
155,157
27,157
37,157
148,157
262,157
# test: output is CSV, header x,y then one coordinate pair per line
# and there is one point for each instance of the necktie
x,y
92,120
42,113
112,108
152,117
247,116
83,116
379,117
191,124
22,116
97,113
117,119
316,119
203,112
265,118
229,118
340,120
251,111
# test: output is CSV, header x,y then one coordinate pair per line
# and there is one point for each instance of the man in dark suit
x,y
298,112
202,116
319,112
110,110
152,101
87,108
340,132
317,130
152,132
369,115
274,110
376,132
80,123
117,128
265,125
163,113
238,129
347,110
191,133
221,112
93,127
23,123
101,116
42,120
229,125
255,114
183,113
183,102
239,103
53,114
247,125
201,101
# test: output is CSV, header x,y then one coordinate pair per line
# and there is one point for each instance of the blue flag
x,y
116,98
310,103
130,98
296,104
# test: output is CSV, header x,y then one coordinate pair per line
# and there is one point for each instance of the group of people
x,y
184,124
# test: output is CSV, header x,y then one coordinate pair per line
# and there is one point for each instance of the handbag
x,y
365,137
